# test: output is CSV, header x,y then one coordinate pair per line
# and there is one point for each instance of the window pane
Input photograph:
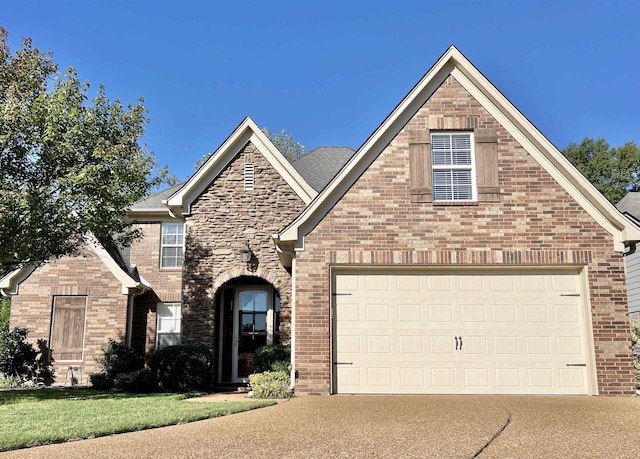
x,y
253,300
169,323
440,141
261,322
441,158
168,339
452,184
172,242
461,142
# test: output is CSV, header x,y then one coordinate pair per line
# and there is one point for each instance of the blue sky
x,y
330,72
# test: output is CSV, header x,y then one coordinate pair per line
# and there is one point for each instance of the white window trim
x,y
163,245
158,318
448,167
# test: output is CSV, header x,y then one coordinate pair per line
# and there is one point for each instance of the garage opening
x,y
463,332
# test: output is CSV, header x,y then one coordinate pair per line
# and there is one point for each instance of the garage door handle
x,y
576,364
343,363
458,342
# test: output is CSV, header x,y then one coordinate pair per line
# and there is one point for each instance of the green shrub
x,y
117,358
42,368
273,357
271,384
139,381
20,360
6,383
100,381
182,368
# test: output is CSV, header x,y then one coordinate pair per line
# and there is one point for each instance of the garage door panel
x,y
476,333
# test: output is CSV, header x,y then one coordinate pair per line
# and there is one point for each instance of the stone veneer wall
x,y
535,222
86,275
221,220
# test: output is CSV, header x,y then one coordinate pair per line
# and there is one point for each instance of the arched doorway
x,y
248,310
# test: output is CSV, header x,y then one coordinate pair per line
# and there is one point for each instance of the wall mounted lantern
x,y
245,253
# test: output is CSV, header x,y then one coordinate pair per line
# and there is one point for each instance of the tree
x,y
285,143
613,171
282,140
69,167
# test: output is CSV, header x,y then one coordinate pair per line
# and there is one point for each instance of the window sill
x,y
455,203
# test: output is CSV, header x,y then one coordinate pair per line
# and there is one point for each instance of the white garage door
x,y
466,333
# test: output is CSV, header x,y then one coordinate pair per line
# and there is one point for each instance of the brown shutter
x,y
420,165
486,143
67,329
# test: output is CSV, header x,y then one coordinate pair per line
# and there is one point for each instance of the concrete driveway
x,y
392,426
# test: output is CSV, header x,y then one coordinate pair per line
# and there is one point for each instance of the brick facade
x,y
535,222
222,219
86,275
166,284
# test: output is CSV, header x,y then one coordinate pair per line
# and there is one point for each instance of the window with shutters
x,y
67,327
172,245
453,175
169,324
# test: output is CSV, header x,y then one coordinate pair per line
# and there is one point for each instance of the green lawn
x,y
37,417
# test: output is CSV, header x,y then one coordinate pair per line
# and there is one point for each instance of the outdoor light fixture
x,y
245,253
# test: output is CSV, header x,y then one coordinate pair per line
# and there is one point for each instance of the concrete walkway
x,y
388,427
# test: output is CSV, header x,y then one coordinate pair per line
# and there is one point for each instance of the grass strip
x,y
38,417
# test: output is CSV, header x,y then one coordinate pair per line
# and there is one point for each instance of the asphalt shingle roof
x,y
321,164
154,201
630,204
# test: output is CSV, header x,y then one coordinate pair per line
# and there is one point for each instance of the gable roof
x,y
454,63
128,277
321,164
180,202
630,204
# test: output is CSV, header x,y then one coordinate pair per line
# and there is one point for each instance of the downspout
x,y
630,248
129,318
294,373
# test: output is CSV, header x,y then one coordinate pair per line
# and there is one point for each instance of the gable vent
x,y
249,176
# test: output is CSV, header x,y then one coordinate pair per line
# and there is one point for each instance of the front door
x,y
250,320
250,328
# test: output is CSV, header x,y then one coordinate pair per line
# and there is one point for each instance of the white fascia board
x,y
180,203
368,152
547,155
10,284
126,281
150,214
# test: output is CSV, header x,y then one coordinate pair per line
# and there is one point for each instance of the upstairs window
x,y
453,167
172,246
249,176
